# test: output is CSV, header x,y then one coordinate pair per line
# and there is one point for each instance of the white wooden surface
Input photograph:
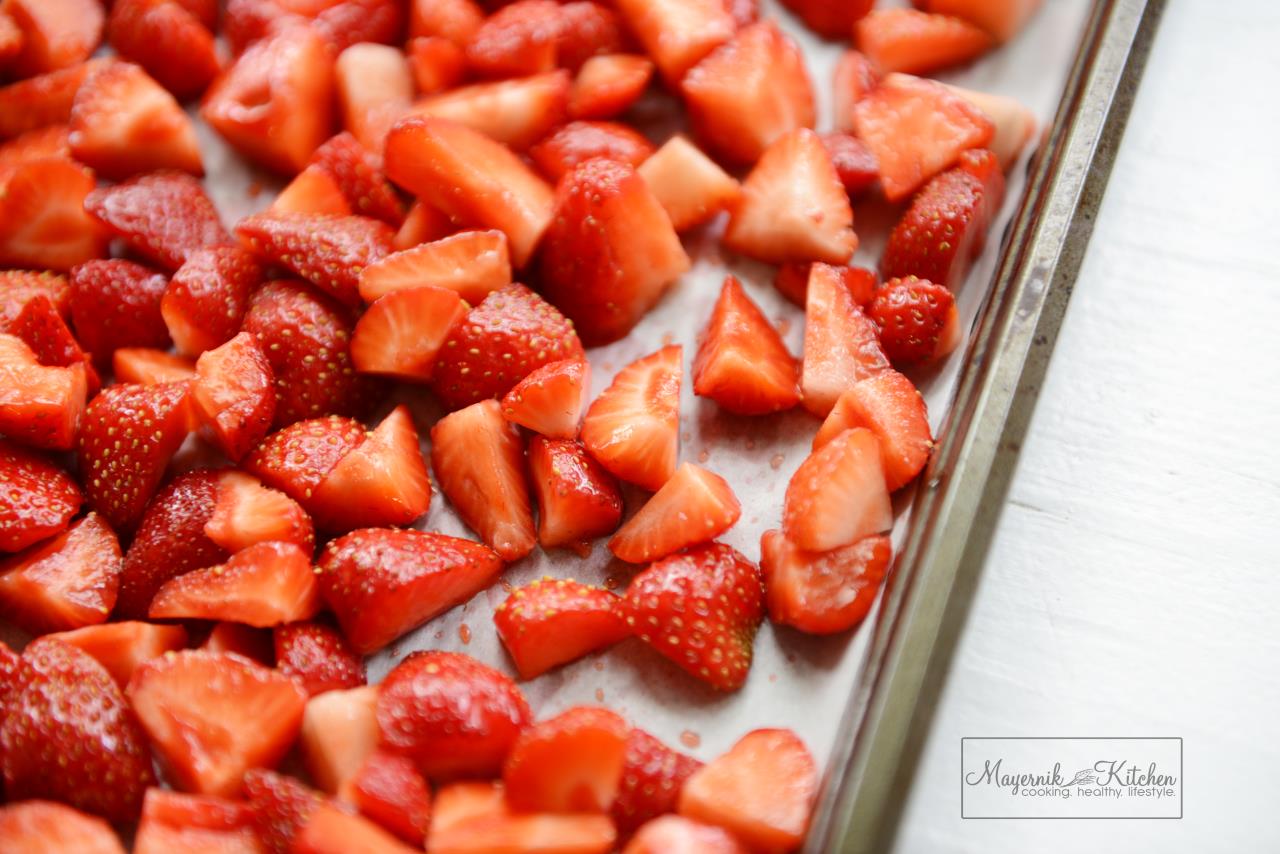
x,y
1133,585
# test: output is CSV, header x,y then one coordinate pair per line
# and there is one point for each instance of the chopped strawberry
x,y
234,394
247,641
275,104
37,498
342,23
515,112
65,582
554,621
793,207
116,303
688,184
382,583
17,287
888,405
402,333
56,33
389,790
172,821
517,40
63,704
436,64
127,437
841,344
339,731
122,647
693,507
652,777
569,763
312,191
916,42
576,142
473,263
762,791
208,296
168,41
147,366
306,336
47,827
854,163
916,128
838,495
611,251
473,818
331,830
165,217
39,406
471,178
677,34
550,399
279,808
359,173
793,282
749,93
742,363
455,20
578,499
719,585
831,18
633,427
587,30
296,459
674,834
47,143
42,100
1015,124
1002,18
822,592
607,85
318,657
375,87
246,513
213,716
512,333
450,714
265,585
911,314
42,328
854,77
43,223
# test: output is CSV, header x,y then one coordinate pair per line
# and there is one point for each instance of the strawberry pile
x,y
211,507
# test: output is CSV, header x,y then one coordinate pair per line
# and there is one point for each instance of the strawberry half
x,y
116,303
569,763
577,142
37,498
607,85
318,657
916,42
742,363
279,807
678,33
473,817
47,826
833,19
331,830
670,833
912,315
841,344
208,296
514,112
63,583
578,500
213,716
122,647
56,33
39,406
822,592
694,506
358,173
888,405
168,41
838,495
554,621
633,427
473,263
165,217
375,87
652,776
173,821
43,223
389,790
402,333
234,394
339,732
296,459
719,585
550,400
479,462
689,185
265,585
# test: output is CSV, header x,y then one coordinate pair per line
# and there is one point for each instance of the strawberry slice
x,y
632,428
841,344
43,223
279,807
296,459
234,394
512,333
473,263
382,583
165,217
677,34
37,498
569,763
1002,18
46,826
128,435
208,296
42,328
854,77
402,333
318,657
854,163
123,122
479,462
375,87
916,128
674,834
712,580
473,818
471,178
172,821
168,41
389,790
116,303
359,173
56,33
762,791
330,830
550,400
339,732
611,251
306,336
146,366
312,191
912,314
838,495
18,287
822,592
42,100
554,621
749,93
450,714
831,18
916,42
383,482
436,64
607,85
122,647
455,20
264,585
62,703
688,184
889,406
694,506
577,142
63,583
1015,124
516,112
793,206
275,104
578,500
652,776
742,362
39,406
213,716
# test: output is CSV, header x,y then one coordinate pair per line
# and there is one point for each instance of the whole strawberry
x,y
912,314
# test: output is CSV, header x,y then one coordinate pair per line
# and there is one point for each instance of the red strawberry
x,y
333,831
652,777
339,732
838,495
312,191
43,223
213,716
37,498
65,582
588,29
318,657
389,790
265,585
64,704
56,33
514,112
569,763
39,406
275,104
473,263
375,87
718,585
48,143
831,18
762,791
854,163
122,647
167,40
383,482
246,513
306,336
436,64
916,42
674,834
402,333
694,506
576,142
607,85
207,297
578,499
359,173
234,394
911,314
253,644
42,328
554,621
146,366
888,405
127,437
611,251
455,20
793,206
116,303
172,821
742,362
633,427
339,22
854,77
46,826
688,184
749,93
472,817
841,344
822,592
18,287
518,40
677,34
42,100
479,463
473,179
549,401
450,714
296,459
1002,18
1015,124
279,808
425,223
166,217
